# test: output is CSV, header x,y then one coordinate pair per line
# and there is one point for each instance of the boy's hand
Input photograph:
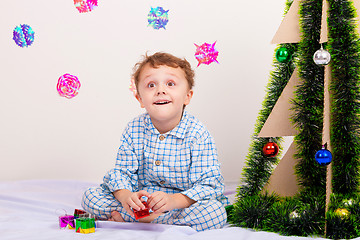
x,y
161,202
130,200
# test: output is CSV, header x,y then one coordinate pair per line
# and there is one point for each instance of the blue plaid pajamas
x,y
183,160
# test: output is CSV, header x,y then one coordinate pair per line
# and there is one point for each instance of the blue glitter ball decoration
x,y
23,35
158,18
323,157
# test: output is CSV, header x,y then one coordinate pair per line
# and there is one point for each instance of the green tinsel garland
x,y
344,48
292,216
309,101
345,143
252,211
259,167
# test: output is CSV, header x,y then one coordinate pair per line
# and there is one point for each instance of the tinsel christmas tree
x,y
325,110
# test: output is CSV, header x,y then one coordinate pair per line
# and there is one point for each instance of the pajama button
x,y
157,162
162,182
162,137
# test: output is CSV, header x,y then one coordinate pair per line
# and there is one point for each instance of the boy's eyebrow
x,y
146,76
172,74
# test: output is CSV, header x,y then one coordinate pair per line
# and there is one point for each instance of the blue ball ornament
x,y
323,157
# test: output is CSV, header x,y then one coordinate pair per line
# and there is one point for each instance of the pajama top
x,y
183,160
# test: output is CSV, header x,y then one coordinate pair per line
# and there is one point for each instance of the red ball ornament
x,y
271,149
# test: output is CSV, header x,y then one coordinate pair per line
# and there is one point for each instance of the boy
x,y
166,155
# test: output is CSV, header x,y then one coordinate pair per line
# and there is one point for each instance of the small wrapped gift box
x,y
85,225
142,213
78,212
67,221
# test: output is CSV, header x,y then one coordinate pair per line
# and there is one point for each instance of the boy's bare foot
x,y
116,217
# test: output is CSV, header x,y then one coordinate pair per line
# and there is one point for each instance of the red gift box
x,y
78,212
142,213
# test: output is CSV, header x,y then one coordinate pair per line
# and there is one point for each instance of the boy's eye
x,y
151,85
171,84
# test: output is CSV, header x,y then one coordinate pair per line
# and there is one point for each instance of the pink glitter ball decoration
x,y
206,53
68,85
85,5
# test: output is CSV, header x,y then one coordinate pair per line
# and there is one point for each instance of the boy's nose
x,y
160,90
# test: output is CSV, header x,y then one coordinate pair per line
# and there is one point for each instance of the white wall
x,y
43,135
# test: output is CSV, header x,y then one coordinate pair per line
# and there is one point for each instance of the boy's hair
x,y
158,59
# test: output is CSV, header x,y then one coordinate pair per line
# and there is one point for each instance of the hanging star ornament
x,y
206,53
158,18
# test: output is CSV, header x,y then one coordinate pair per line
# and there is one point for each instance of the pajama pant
x,y
202,215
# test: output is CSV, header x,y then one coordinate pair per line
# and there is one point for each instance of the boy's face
x,y
163,92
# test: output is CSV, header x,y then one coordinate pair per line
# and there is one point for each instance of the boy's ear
x,y
139,99
188,97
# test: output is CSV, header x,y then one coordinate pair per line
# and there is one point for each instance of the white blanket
x,y
30,210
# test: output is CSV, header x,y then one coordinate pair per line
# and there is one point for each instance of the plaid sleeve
x,y
124,175
205,175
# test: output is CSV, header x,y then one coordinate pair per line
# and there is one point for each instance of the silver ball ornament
x,y
322,57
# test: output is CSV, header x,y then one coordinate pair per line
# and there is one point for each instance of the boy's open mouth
x,y
162,102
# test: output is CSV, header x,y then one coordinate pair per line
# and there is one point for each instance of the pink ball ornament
x,y
68,86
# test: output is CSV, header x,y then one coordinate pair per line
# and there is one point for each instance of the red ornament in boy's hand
x,y
142,213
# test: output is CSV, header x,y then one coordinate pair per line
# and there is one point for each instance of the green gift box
x,y
85,225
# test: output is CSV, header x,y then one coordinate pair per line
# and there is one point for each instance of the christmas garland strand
x,y
309,101
258,166
252,208
344,49
343,216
